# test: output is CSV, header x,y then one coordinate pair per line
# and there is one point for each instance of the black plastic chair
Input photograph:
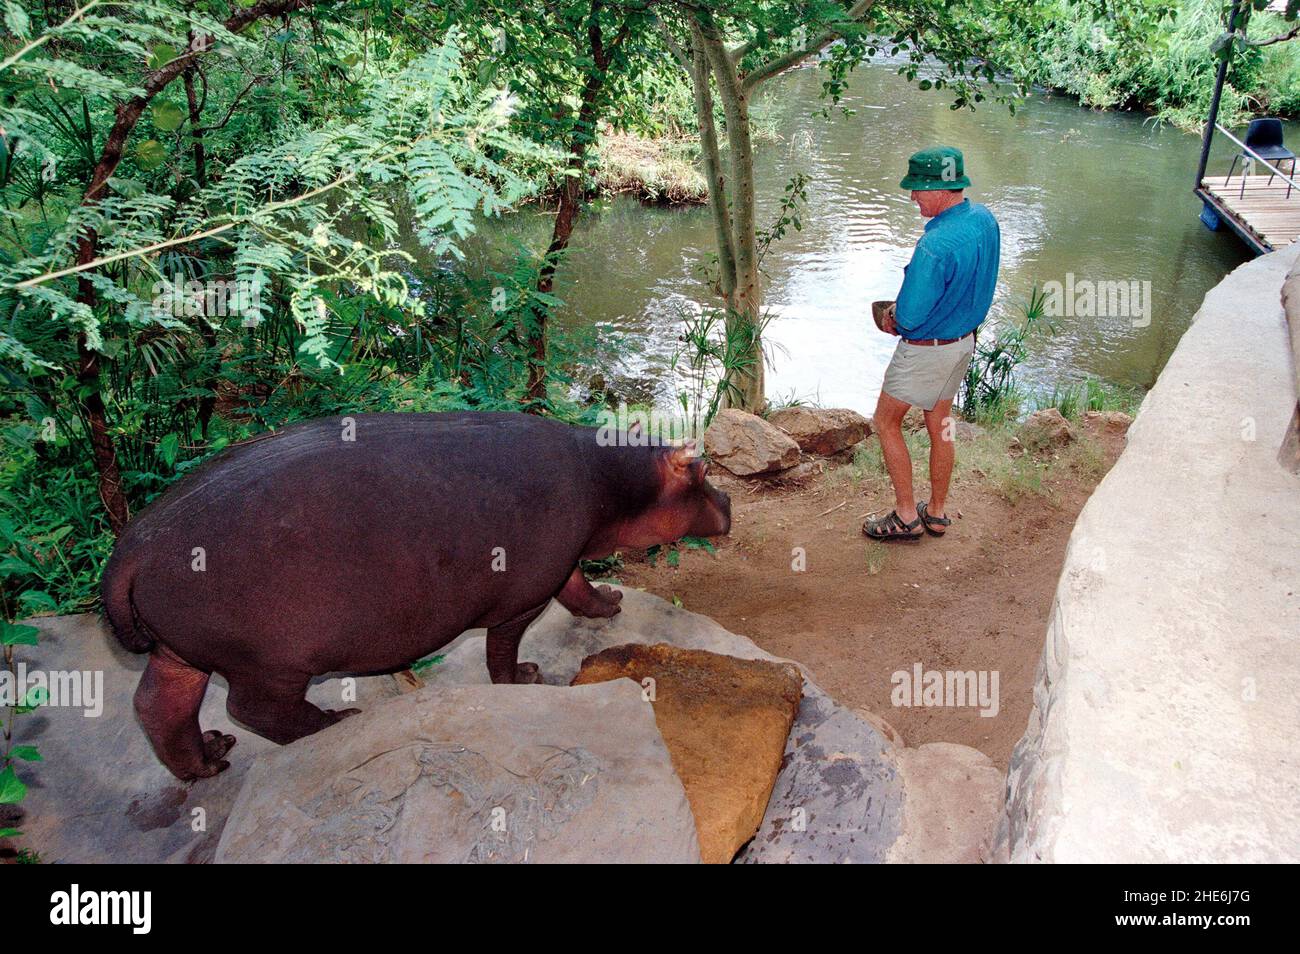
x,y
1264,139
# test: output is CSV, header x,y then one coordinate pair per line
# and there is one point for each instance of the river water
x,y
1080,195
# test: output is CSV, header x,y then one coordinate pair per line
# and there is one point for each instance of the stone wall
x,y
1166,704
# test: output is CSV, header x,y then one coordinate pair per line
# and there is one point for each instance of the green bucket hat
x,y
940,167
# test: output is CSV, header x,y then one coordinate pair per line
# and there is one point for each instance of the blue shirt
x,y
948,285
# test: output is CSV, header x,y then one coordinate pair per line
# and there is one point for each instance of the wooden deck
x,y
1264,217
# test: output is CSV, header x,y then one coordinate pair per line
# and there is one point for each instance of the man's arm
x,y
924,281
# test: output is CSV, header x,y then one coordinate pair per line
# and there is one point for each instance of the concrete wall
x,y
1167,708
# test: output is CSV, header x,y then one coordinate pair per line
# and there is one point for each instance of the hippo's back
x,y
345,542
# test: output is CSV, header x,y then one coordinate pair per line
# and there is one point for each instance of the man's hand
x,y
887,324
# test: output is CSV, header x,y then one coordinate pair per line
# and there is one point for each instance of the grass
x,y
655,170
993,457
1074,399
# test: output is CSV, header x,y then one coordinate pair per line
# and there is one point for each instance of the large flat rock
x,y
725,722
471,774
101,795
1163,727
843,793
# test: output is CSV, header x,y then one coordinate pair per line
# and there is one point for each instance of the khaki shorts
x,y
924,375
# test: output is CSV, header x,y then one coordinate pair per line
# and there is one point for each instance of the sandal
x,y
892,527
931,522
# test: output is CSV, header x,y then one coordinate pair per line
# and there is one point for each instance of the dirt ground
x,y
977,599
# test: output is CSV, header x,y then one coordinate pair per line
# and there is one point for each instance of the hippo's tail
x,y
115,591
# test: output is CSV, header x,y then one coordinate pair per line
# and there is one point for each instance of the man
x,y
947,290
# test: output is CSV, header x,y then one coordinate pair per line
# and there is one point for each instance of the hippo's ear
x,y
685,461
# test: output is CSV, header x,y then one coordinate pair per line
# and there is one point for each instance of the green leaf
x,y
161,55
27,753
150,154
12,789
36,600
168,116
15,566
17,21
16,634
10,832
168,447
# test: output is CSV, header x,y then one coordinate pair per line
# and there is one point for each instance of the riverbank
x,y
977,600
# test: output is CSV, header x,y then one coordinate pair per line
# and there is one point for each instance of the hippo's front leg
x,y
582,599
503,650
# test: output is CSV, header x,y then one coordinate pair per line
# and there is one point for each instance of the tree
x,y
284,216
574,64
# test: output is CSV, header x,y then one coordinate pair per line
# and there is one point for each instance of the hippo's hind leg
x,y
503,650
167,702
278,709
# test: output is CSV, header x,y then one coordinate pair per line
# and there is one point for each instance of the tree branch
x,y
784,62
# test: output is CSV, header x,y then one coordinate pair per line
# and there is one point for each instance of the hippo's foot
x,y
215,746
188,766
608,604
167,702
527,674
278,713
580,598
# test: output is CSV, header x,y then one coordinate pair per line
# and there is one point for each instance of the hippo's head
x,y
687,504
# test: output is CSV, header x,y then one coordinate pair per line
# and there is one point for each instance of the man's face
x,y
933,201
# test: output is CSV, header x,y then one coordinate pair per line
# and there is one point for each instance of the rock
x,y
914,419
1046,428
799,472
1116,422
881,725
953,797
100,795
914,422
822,431
840,795
725,722
747,445
471,774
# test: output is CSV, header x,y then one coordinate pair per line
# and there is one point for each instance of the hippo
x,y
364,543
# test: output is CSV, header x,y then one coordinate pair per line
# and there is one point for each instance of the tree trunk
x,y
700,73
745,302
584,136
734,214
196,131
101,441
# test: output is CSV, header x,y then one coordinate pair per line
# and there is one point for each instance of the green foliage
x,y
1090,394
672,552
988,391
713,349
1162,56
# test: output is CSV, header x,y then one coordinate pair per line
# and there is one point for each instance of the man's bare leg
x,y
939,422
888,425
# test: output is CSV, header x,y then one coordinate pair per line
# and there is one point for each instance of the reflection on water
x,y
1104,196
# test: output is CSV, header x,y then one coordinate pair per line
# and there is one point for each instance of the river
x,y
1096,196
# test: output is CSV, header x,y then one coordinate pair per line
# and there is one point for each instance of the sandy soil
x,y
977,599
